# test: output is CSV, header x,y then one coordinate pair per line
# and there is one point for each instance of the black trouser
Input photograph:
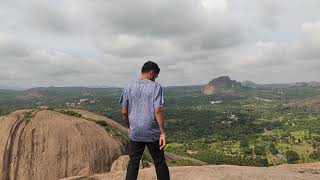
x,y
135,152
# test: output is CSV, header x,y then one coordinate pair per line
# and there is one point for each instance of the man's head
x,y
150,70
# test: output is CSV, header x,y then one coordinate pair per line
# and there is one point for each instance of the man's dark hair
x,y
148,66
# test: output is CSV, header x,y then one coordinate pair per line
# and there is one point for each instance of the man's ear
x,y
152,73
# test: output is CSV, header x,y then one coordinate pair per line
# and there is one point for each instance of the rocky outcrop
x,y
43,144
121,164
218,84
209,89
217,172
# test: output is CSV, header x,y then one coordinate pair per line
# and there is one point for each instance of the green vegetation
x,y
70,113
315,155
273,149
28,116
292,156
259,126
112,131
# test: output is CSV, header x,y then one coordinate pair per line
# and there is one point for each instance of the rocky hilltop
x,y
312,103
45,144
220,84
217,172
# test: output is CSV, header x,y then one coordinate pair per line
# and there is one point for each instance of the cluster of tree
x,y
213,157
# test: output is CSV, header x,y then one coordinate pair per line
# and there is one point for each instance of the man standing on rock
x,y
142,100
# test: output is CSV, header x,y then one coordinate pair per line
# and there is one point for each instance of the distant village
x,y
80,102
215,102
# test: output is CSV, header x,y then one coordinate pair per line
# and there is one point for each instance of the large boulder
x,y
121,164
37,145
220,84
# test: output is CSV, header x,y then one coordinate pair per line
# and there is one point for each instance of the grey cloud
x,y
307,45
164,18
129,46
81,42
46,18
182,25
222,34
270,13
9,47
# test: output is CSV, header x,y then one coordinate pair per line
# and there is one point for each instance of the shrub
x,y
273,149
71,113
315,155
244,143
259,150
247,150
292,156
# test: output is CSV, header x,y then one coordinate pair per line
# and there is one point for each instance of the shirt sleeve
x,y
124,99
158,98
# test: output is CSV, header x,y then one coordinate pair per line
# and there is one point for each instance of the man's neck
x,y
143,78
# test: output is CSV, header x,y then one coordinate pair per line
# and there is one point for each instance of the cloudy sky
x,y
105,42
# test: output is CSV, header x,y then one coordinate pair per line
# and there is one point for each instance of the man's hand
x,y
162,141
128,131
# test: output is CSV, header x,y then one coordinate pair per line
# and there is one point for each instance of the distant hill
x,y
221,84
53,91
11,88
249,83
314,84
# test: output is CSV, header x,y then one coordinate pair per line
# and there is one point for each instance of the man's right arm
x,y
125,114
124,101
158,103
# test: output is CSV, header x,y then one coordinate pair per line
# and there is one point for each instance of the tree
x,y
292,156
273,149
247,150
244,143
263,161
259,150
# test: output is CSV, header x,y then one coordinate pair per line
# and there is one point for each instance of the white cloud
x,y
11,47
82,42
307,45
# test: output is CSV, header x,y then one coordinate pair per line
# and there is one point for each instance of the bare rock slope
x,y
218,84
227,172
49,145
